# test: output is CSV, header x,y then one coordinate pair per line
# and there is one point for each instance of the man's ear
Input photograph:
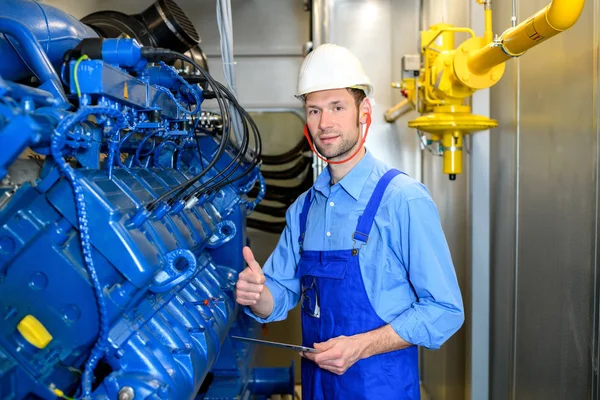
x,y
364,109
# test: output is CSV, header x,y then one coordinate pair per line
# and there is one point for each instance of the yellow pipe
x,y
555,18
397,111
488,35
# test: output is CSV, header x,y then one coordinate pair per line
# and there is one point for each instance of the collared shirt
x,y
406,265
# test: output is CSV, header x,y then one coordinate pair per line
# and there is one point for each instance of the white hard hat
x,y
330,66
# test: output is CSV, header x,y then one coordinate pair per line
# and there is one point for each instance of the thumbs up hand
x,y
251,289
250,284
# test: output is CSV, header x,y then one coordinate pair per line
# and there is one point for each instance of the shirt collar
x,y
353,182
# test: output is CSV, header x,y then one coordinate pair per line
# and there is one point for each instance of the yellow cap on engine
x,y
34,332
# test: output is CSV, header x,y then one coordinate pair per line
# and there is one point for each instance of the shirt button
x,y
328,233
332,204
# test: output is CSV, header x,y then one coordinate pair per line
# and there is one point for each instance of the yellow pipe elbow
x,y
563,14
553,19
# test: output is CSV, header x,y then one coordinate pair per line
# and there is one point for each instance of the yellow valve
x,y
34,332
452,143
449,124
450,75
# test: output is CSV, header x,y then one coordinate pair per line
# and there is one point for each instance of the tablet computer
x,y
275,344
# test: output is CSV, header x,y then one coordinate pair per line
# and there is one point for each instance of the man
x,y
363,251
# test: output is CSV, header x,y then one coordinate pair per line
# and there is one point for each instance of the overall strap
x,y
304,216
365,221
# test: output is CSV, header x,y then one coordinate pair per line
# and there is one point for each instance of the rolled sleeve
x,y
437,313
280,270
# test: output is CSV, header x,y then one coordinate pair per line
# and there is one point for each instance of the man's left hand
x,y
338,354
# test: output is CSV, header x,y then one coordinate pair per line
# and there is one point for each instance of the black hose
x,y
181,189
275,192
257,151
258,141
283,199
289,173
235,162
288,156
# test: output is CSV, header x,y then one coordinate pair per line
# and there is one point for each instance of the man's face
x,y
332,119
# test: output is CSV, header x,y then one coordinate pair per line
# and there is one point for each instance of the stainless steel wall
x,y
544,191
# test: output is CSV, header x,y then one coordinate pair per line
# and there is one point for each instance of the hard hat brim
x,y
366,87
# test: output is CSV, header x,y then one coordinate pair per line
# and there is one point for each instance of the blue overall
x,y
335,303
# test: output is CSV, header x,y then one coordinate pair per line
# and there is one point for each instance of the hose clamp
x,y
499,42
453,148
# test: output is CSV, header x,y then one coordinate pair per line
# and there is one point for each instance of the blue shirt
x,y
406,265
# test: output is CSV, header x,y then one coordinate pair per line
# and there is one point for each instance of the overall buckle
x,y
363,243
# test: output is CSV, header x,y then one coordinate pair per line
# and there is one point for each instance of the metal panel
x,y
544,156
478,293
595,378
556,214
503,158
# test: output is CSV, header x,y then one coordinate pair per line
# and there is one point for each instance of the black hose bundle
x,y
221,94
290,173
281,194
290,155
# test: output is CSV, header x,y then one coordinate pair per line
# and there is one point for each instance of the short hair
x,y
358,94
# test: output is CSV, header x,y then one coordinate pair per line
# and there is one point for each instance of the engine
x,y
123,212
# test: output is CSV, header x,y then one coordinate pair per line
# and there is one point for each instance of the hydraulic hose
x,y
288,156
289,173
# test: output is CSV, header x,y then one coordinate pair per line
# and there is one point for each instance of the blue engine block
x,y
97,289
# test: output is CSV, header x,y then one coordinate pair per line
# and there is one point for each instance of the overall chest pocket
x,y
315,270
